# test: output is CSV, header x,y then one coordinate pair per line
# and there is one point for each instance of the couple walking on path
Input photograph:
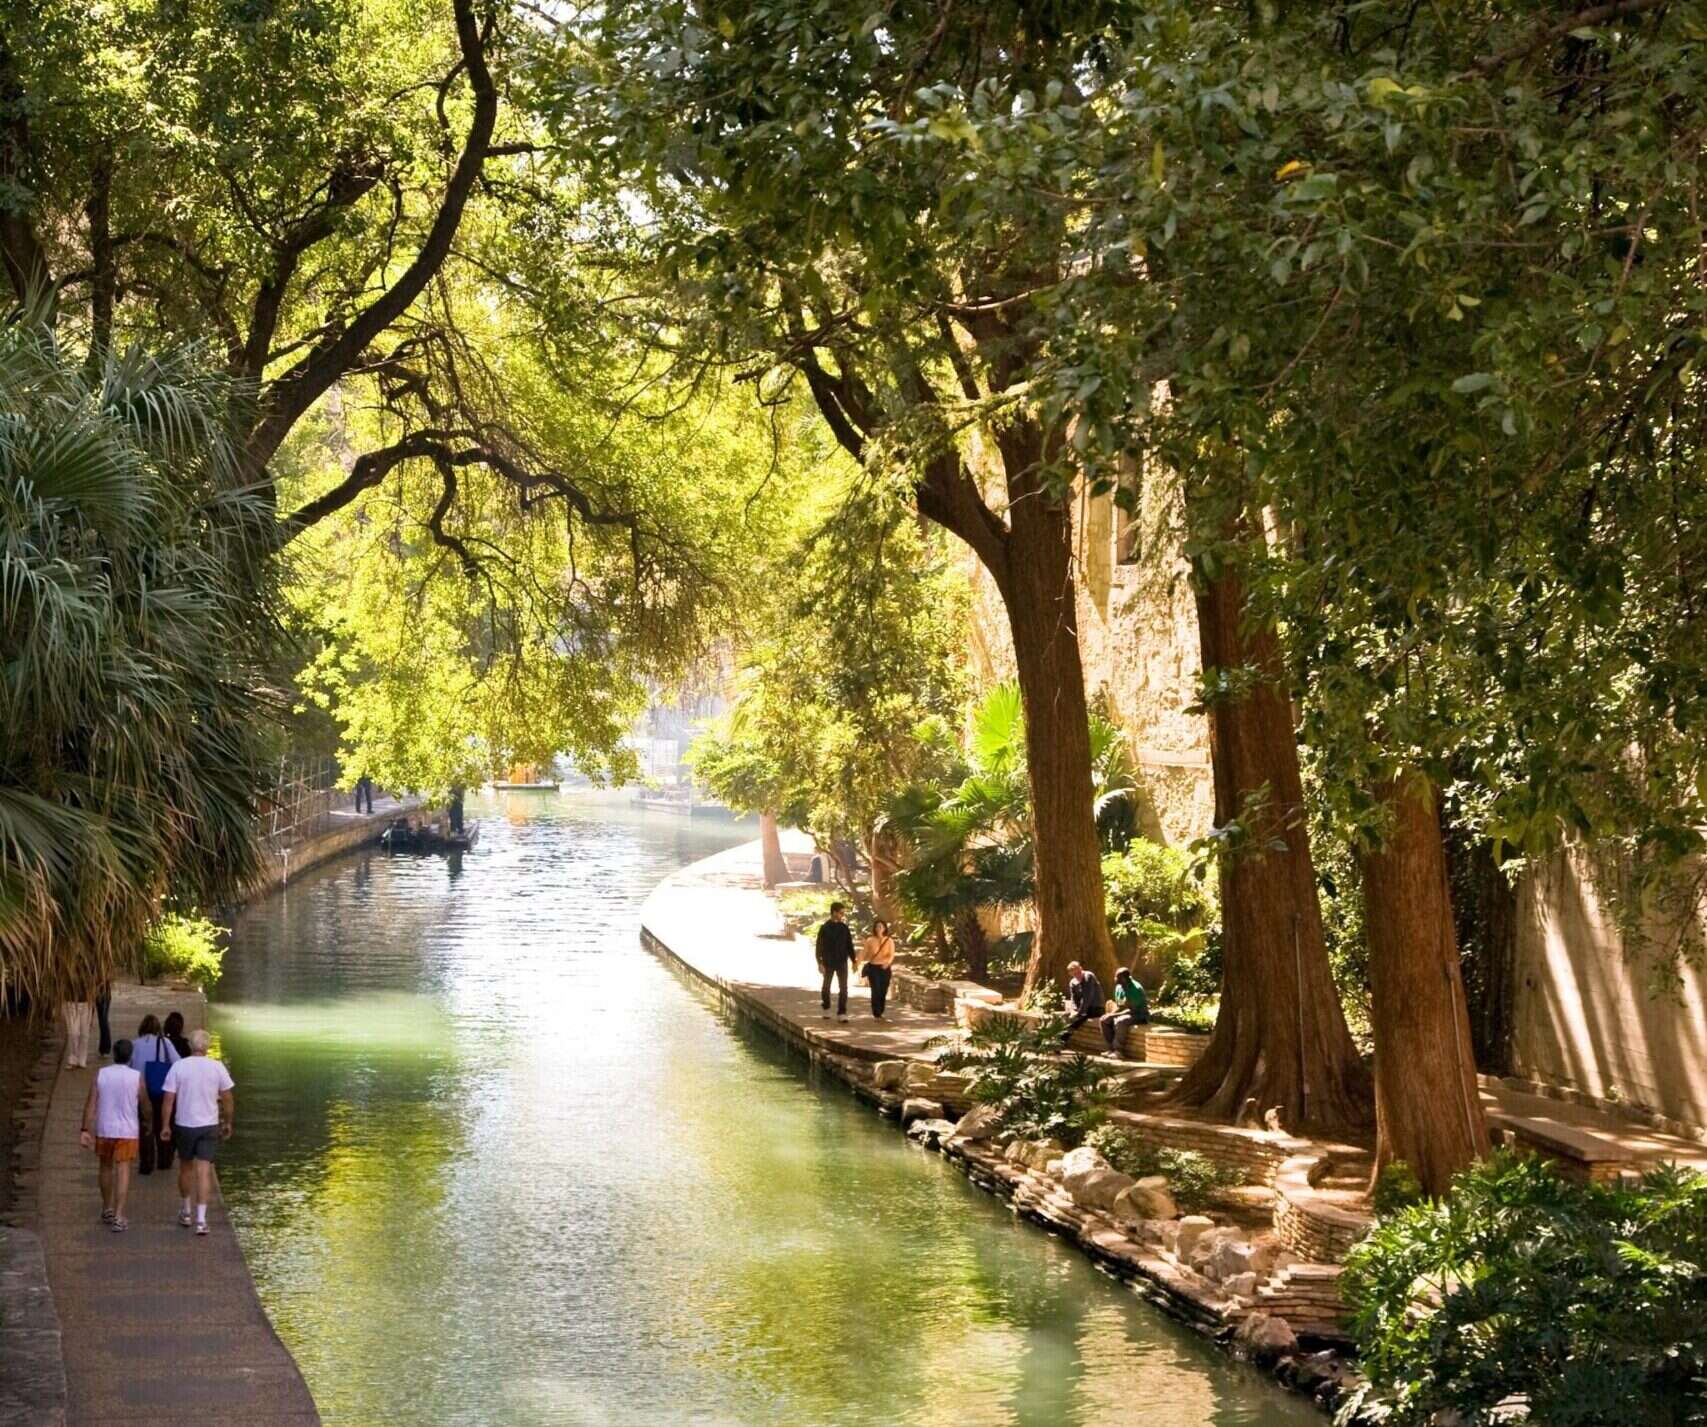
x,y
835,949
194,1115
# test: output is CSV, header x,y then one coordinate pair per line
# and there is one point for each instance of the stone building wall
x,y
1138,640
1593,1013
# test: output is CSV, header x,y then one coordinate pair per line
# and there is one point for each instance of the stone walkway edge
x,y
713,919
37,1386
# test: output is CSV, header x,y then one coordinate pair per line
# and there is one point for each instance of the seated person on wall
x,y
1084,997
1131,1008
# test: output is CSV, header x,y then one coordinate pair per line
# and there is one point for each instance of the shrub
x,y
802,908
1585,1305
1397,1187
1018,1067
1192,1178
1153,893
184,948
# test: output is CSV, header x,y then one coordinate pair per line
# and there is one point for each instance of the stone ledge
x,y
32,1362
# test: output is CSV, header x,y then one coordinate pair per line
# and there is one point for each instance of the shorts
x,y
115,1151
196,1142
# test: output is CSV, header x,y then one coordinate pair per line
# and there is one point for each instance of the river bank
x,y
56,1266
715,925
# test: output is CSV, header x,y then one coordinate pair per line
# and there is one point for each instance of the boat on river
x,y
405,835
526,778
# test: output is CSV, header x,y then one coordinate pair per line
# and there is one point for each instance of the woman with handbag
x,y
879,965
153,1054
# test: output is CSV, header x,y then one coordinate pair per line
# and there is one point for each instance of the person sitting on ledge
x,y
1131,1008
1084,998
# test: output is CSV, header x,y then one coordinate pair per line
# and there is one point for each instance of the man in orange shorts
x,y
113,1118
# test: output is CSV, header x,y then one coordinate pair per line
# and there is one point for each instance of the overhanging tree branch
x,y
312,376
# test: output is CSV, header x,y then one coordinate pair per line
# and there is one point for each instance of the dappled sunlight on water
x,y
497,1165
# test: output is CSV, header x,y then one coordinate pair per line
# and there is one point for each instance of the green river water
x,y
495,1164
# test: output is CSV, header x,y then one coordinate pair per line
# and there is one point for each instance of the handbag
x,y
154,1072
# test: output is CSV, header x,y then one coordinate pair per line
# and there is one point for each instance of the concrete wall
x,y
1593,1013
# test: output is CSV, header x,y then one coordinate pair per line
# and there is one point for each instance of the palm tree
x,y
970,830
136,586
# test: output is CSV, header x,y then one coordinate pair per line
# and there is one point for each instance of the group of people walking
x,y
162,1096
837,958
1085,999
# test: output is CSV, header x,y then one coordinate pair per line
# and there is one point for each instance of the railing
x,y
301,801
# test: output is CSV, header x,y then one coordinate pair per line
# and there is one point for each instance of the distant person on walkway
x,y
174,1030
1131,1008
103,1004
364,789
1084,997
113,1117
79,1020
198,1112
879,964
835,955
455,810
151,1056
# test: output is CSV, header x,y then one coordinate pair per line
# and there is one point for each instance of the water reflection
x,y
497,1165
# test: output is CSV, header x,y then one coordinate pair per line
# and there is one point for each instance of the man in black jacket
x,y
1084,997
835,957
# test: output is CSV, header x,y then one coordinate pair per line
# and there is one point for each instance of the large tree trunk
x,y
1072,923
1484,914
881,854
974,944
1429,1111
770,845
1280,1038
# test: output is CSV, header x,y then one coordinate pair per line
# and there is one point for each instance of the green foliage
x,y
803,909
1156,895
184,948
1192,1178
136,601
855,647
1018,1066
969,827
1397,1187
1585,1302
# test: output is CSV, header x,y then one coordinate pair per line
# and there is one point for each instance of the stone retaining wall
x,y
1166,1046
1311,1227
1256,1153
32,1363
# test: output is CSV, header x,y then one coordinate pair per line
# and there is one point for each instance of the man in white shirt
x,y
195,1114
112,1127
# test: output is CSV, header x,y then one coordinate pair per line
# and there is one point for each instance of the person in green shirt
x,y
1131,1008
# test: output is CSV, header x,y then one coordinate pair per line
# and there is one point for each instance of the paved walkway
x,y
716,919
159,1326
1605,1134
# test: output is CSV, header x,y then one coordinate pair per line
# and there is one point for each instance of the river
x,y
495,1164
